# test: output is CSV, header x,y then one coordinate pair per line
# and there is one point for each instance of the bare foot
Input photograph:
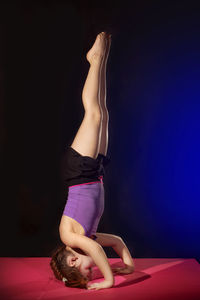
x,y
98,49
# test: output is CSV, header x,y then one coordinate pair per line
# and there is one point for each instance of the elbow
x,y
118,240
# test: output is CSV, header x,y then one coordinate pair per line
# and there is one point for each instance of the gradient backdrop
x,y
153,95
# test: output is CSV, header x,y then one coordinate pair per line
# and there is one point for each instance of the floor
x,y
30,278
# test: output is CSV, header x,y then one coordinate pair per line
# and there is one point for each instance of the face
x,y
84,263
85,266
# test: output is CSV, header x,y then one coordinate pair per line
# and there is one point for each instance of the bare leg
x,y
103,145
86,141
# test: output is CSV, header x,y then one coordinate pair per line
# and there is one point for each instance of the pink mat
x,y
32,279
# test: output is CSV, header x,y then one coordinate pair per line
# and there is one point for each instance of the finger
x,y
93,286
90,287
118,270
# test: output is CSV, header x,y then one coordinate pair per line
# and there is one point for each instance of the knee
x,y
94,114
105,115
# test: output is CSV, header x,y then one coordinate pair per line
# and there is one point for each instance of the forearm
x,y
100,259
121,249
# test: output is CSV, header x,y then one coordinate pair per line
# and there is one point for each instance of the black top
x,y
79,169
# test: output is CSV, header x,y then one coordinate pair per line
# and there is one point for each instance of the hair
x,y
63,271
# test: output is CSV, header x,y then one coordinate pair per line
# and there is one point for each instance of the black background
x,y
43,69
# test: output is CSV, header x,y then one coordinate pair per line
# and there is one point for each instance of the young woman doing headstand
x,y
85,162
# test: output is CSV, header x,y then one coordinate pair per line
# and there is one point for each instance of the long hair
x,y
71,276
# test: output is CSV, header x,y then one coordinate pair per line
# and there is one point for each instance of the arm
x,y
118,246
95,250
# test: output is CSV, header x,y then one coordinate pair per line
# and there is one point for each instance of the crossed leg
x,y
92,135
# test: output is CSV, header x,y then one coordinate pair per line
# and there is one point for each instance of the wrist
x,y
110,280
130,267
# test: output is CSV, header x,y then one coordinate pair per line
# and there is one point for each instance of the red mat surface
x,y
32,279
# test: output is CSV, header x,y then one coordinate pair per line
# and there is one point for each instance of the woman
x,y
84,170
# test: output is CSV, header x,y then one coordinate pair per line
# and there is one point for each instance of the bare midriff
x,y
67,224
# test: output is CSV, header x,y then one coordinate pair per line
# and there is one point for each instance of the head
x,y
73,265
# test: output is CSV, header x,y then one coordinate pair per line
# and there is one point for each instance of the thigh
x,y
86,141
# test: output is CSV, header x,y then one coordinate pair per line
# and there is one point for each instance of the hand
x,y
123,270
100,285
